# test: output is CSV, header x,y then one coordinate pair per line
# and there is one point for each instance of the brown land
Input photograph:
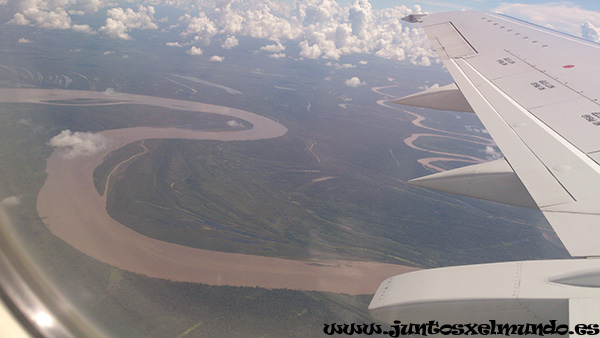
x,y
71,207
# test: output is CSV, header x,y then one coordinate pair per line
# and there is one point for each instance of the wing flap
x,y
449,41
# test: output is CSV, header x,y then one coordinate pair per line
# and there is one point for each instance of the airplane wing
x,y
536,91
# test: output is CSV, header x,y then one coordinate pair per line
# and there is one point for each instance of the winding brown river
x,y
74,211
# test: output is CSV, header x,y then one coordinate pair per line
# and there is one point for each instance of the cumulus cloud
x,y
74,144
491,153
354,82
173,44
19,19
341,66
309,51
194,51
82,29
23,40
426,87
325,29
45,15
58,19
120,22
277,55
273,48
217,58
235,124
589,32
363,62
202,28
230,42
321,28
11,201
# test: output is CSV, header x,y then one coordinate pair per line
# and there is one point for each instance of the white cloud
x,y
321,28
308,51
426,87
277,55
115,29
235,124
194,51
74,144
82,29
492,153
325,29
360,14
53,14
354,82
111,92
273,48
58,19
363,62
230,42
341,66
120,22
23,40
173,44
589,32
11,201
108,52
19,19
217,58
201,27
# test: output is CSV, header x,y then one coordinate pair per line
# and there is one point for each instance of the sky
x,y
319,29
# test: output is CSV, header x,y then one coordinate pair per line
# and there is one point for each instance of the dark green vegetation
x,y
291,197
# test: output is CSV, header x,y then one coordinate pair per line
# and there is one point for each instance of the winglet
x,y
413,18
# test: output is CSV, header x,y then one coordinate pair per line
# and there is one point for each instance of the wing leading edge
x,y
536,91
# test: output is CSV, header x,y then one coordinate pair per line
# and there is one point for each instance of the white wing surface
x,y
536,91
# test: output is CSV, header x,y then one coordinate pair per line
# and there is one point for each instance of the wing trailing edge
x,y
508,293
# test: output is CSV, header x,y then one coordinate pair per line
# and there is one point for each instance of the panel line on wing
x,y
529,167
580,93
544,30
568,164
463,37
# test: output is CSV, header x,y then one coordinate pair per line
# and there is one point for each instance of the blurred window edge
x,y
28,295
